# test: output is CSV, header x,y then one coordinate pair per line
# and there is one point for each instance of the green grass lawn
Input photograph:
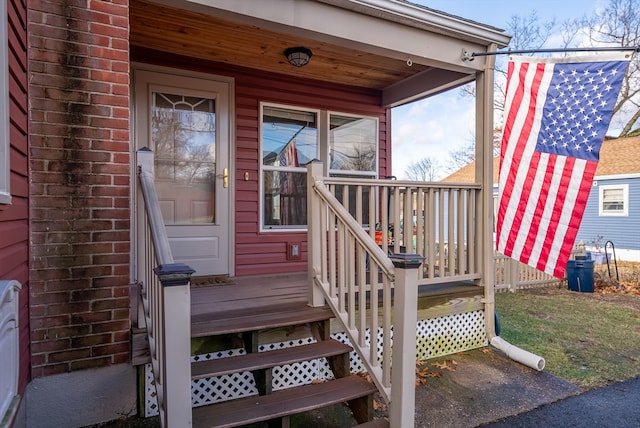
x,y
584,339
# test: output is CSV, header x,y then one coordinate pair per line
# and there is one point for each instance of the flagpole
x,y
470,56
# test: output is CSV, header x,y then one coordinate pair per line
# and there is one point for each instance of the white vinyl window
x,y
614,200
353,146
290,138
289,141
5,167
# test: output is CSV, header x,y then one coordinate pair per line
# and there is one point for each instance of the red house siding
x,y
80,184
259,252
14,218
266,252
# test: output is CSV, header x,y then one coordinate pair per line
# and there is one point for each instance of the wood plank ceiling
x,y
207,37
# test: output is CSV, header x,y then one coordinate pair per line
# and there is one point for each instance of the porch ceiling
x,y
200,32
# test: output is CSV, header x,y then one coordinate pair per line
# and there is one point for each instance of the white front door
x,y
185,122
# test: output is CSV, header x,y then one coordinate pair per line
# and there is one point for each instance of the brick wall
x,y
80,177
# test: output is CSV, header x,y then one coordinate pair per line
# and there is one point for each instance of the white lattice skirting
x,y
437,337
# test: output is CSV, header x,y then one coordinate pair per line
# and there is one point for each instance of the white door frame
x,y
134,133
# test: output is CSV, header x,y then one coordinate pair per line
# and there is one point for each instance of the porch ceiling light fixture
x,y
298,56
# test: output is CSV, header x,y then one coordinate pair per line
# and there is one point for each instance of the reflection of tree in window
x,y
352,143
183,129
353,153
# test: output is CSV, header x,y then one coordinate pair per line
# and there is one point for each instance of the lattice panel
x,y
447,335
436,337
302,373
150,399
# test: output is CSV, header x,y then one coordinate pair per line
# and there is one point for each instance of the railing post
x,y
314,233
175,279
514,274
403,394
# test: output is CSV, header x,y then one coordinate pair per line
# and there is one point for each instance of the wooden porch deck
x,y
254,302
251,303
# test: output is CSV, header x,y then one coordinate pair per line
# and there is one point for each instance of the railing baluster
x,y
441,237
333,256
373,305
384,219
451,242
386,332
397,209
472,223
342,269
351,278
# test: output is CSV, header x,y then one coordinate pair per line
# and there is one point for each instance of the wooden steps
x,y
282,403
249,311
268,359
257,318
246,315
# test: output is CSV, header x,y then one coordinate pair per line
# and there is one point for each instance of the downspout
x,y
484,170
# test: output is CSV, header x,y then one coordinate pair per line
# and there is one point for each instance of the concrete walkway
x,y
484,386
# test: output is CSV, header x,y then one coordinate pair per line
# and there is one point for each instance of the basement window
x,y
5,166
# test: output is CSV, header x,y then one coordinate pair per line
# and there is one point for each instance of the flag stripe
x,y
507,175
539,186
521,153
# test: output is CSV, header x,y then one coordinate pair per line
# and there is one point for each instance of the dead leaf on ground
x,y
445,365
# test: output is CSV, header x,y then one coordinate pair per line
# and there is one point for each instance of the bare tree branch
x,y
618,24
425,169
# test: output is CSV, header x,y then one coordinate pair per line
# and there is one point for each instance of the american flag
x,y
289,154
557,113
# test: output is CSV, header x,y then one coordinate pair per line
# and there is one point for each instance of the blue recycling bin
x,y
580,275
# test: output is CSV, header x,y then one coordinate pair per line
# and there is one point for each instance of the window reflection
x,y
184,139
352,143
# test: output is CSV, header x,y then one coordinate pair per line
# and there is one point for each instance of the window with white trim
x,y
290,138
5,167
353,153
614,200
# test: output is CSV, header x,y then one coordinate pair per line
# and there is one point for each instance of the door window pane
x,y
183,132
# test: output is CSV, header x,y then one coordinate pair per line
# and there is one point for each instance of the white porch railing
x,y
168,325
439,221
511,275
361,284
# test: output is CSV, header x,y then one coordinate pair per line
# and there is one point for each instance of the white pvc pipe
x,y
519,355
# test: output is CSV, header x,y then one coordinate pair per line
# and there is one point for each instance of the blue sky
x,y
434,126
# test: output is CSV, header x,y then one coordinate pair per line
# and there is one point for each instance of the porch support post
x,y
314,233
175,279
484,171
403,362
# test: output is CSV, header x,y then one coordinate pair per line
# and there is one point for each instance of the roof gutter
x,y
424,18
